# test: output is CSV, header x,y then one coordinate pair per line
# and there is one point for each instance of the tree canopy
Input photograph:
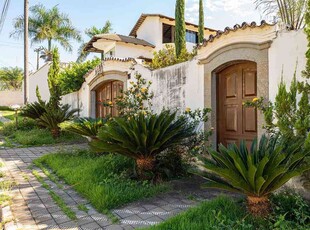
x,y
11,78
47,25
91,32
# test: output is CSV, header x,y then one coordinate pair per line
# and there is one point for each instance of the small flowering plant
x,y
197,144
137,99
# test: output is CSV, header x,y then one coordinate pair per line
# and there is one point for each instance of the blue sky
x,y
123,14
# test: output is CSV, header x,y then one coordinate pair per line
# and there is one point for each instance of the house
x,y
152,32
231,66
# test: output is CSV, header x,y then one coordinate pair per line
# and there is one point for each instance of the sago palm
x,y
257,172
47,25
91,32
143,137
53,117
87,127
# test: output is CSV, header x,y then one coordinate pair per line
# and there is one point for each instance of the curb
x,y
7,218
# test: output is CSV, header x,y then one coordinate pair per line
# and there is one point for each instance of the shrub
x,y
71,78
143,137
24,124
52,118
258,172
87,127
167,57
34,110
292,206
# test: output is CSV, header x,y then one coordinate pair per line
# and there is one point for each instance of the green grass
x,y
225,213
37,137
82,207
58,200
103,180
8,114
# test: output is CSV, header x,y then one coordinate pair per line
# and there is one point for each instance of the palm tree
x,y
11,78
91,32
47,25
291,12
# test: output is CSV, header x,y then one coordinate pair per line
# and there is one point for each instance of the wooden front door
x,y
237,84
106,93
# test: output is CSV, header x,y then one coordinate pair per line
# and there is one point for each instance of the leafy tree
x,y
71,78
291,12
47,25
180,30
256,172
11,78
167,57
305,86
53,80
50,114
91,32
201,22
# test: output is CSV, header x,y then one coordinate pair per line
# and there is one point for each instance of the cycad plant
x,y
52,118
143,137
256,172
87,127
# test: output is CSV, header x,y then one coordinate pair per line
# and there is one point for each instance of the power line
x,y
4,13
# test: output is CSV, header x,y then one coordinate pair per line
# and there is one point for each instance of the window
x,y
168,33
191,36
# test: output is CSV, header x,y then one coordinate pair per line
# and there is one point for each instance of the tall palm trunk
x,y
26,6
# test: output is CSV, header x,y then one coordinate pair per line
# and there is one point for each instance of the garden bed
x,y
104,180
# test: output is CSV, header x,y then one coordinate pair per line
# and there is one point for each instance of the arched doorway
x,y
236,84
108,93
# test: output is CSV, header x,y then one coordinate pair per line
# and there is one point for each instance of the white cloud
x,y
239,8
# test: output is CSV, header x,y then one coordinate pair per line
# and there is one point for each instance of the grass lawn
x,y
29,134
103,180
8,114
224,213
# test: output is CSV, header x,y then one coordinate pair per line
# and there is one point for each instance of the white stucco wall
x,y
39,78
123,50
10,97
176,87
286,54
151,31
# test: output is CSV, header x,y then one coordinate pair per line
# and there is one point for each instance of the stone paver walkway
x,y
33,208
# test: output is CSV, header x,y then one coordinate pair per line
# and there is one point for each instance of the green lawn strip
x,y
103,180
58,200
224,213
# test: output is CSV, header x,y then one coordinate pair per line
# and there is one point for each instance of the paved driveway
x,y
33,207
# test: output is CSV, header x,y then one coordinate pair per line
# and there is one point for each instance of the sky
x,y
123,14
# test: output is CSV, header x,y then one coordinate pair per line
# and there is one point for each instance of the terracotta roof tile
x,y
236,27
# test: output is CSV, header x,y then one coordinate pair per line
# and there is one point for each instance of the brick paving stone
x,y
34,208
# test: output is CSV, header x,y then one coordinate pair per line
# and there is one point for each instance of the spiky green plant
x,y
256,172
143,137
87,127
34,110
52,118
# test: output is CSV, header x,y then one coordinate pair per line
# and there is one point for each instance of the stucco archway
x,y
99,81
229,55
